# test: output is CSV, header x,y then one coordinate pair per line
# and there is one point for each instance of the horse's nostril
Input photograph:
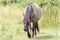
x,y
25,29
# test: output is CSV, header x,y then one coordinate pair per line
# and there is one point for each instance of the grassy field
x,y
11,23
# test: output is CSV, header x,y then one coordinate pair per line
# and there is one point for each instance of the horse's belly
x,y
35,18
37,12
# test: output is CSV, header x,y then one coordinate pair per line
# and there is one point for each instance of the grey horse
x,y
32,14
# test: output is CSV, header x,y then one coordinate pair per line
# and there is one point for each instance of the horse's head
x,y
26,22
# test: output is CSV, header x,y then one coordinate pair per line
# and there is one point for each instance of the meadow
x,y
11,21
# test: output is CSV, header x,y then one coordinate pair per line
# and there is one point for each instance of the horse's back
x,y
33,11
36,12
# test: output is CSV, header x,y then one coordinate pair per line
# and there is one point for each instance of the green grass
x,y
11,23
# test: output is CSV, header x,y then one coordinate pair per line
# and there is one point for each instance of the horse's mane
x,y
29,9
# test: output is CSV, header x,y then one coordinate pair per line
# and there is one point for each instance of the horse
x,y
32,14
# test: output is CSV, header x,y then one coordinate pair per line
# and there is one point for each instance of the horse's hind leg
x,y
37,26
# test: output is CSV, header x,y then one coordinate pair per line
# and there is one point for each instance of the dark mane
x,y
29,9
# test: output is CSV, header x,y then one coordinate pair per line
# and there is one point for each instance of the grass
x,y
11,24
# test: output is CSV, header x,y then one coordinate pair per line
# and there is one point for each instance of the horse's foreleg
x,y
29,30
29,36
33,30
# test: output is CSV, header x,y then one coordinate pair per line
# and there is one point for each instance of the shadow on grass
x,y
46,37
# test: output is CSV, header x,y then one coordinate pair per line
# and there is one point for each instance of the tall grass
x,y
11,19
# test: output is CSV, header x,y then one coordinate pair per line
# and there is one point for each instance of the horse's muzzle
x,y
26,28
